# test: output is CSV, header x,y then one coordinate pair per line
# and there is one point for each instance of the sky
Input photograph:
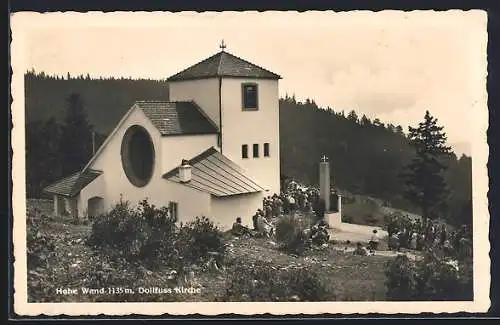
x,y
388,65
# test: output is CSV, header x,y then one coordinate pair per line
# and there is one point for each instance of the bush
x,y
149,235
199,240
144,234
262,281
400,279
290,234
432,278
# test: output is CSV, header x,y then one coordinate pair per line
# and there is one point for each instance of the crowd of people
x,y
404,232
295,199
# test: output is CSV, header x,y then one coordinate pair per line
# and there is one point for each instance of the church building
x,y
212,150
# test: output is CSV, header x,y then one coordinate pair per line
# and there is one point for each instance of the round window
x,y
138,155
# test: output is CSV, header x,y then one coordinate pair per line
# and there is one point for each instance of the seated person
x,y
264,226
238,229
320,234
360,250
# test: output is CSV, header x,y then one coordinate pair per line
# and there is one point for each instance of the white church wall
x,y
248,127
96,188
205,92
191,203
113,184
226,209
176,148
109,161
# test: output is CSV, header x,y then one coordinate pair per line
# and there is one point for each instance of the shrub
x,y
400,279
262,281
198,240
149,234
290,234
143,234
432,278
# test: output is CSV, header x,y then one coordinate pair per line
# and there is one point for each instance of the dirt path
x,y
385,253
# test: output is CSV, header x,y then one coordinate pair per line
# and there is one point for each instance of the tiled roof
x,y
176,118
72,185
223,64
216,174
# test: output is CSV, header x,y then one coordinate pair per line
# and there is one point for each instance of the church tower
x,y
242,99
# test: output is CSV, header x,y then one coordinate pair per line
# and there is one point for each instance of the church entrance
x,y
95,206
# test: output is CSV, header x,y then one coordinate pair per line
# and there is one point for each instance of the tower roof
x,y
223,64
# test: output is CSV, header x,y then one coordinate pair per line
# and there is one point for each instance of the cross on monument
x,y
222,45
324,158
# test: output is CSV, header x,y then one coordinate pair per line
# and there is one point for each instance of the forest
x,y
367,157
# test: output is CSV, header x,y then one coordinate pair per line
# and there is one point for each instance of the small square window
x,y
266,149
256,150
244,151
250,97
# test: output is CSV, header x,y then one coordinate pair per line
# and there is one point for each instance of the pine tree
x,y
365,121
42,155
353,116
378,123
76,132
425,182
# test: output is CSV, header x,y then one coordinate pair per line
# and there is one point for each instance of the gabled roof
x,y
223,64
72,185
216,174
177,118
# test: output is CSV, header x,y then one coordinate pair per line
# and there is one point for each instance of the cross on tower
x,y
222,45
324,159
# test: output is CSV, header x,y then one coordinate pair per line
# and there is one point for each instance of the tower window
x,y
266,149
244,151
256,150
250,97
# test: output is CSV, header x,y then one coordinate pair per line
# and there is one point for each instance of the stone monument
x,y
332,218
324,181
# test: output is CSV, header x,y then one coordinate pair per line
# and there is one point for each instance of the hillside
x,y
366,156
106,100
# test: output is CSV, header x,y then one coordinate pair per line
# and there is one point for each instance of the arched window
x,y
95,206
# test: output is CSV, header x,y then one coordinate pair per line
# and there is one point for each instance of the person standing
x,y
443,235
320,209
374,241
255,218
291,202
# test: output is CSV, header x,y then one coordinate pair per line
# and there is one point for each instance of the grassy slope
x,y
351,277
